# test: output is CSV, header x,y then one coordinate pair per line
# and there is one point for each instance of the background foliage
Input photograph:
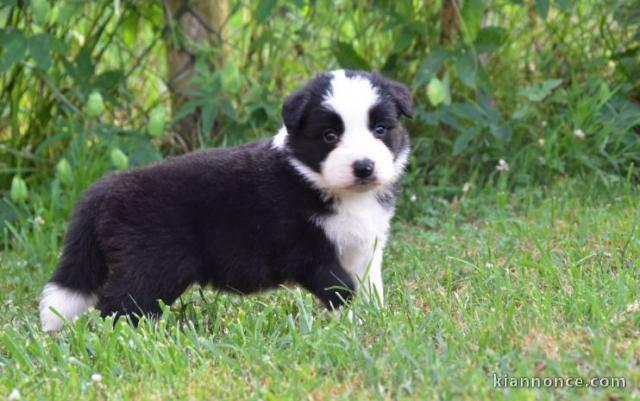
x,y
549,87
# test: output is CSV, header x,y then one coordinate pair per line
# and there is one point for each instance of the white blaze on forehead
x,y
351,98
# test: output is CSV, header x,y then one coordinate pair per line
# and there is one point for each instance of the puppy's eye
x,y
330,136
379,130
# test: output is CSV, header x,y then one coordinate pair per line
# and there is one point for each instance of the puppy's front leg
x,y
369,275
374,287
330,283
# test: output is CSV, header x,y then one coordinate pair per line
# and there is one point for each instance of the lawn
x,y
543,282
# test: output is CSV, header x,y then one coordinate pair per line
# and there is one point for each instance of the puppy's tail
x,y
81,271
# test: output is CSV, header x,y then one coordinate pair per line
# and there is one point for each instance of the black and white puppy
x,y
309,206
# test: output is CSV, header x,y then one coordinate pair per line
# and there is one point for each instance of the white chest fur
x,y
358,229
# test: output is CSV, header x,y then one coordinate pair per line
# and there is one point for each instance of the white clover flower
x,y
38,220
541,141
579,134
15,395
502,165
96,377
634,307
413,198
466,187
544,123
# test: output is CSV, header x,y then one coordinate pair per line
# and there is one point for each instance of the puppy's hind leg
x,y
138,291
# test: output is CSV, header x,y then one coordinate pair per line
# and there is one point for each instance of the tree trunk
x,y
449,20
193,23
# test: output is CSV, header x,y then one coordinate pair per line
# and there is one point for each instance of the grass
x,y
540,283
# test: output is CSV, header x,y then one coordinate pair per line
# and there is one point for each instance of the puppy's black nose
x,y
363,168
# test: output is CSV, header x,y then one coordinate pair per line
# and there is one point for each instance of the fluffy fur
x,y
310,206
67,303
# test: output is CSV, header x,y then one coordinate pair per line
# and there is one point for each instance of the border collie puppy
x,y
309,206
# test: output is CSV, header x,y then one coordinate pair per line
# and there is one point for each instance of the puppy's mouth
x,y
365,184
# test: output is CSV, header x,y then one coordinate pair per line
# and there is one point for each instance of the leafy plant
x,y
510,81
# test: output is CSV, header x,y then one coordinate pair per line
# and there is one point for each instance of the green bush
x,y
526,90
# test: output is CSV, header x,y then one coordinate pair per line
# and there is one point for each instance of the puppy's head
x,y
343,133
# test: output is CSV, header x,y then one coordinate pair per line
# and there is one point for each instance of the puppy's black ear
x,y
293,109
401,95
